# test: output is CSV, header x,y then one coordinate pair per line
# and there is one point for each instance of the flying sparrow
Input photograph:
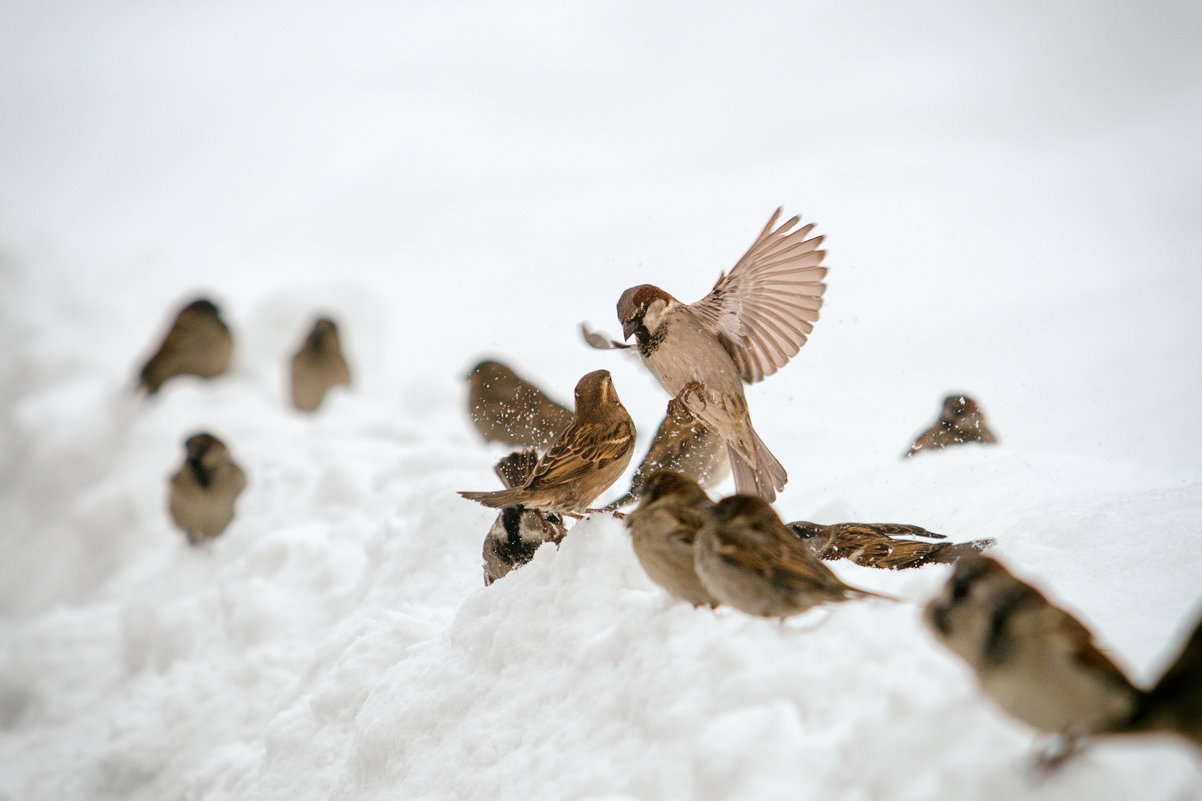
x,y
506,408
518,532
199,343
751,323
1174,704
746,557
1038,662
671,510
204,489
583,461
882,544
318,366
685,447
961,420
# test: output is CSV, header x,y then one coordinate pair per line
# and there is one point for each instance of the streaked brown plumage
x,y
507,408
751,323
318,366
517,532
583,462
1174,704
960,420
204,489
746,557
663,528
1035,660
882,545
683,446
198,343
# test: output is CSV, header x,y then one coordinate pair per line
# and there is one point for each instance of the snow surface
x,y
1011,196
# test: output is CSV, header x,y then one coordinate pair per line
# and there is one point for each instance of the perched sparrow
x,y
1034,659
960,421
518,532
318,366
1175,703
204,489
881,545
671,511
583,461
688,448
748,558
506,408
199,343
751,323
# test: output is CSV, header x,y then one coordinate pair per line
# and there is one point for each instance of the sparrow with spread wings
x,y
751,323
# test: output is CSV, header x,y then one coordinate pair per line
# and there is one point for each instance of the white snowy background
x,y
1011,194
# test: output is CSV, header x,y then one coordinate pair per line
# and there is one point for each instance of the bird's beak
x,y
628,328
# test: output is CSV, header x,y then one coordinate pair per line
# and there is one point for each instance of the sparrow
x,y
687,447
1035,660
751,323
671,510
204,489
583,461
318,366
746,557
506,408
518,532
881,544
961,420
1174,704
199,343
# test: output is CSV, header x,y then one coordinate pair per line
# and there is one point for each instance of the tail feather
x,y
497,499
1175,703
951,552
764,478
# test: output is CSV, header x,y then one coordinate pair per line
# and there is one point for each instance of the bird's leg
x,y
691,394
617,515
1052,756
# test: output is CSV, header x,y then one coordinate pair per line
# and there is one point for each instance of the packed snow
x,y
1010,196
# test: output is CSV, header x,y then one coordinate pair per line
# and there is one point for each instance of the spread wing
x,y
764,309
581,450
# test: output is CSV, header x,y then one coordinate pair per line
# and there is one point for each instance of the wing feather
x,y
582,450
763,310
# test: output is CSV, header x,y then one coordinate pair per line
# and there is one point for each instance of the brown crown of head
x,y
633,305
666,482
202,306
743,506
958,406
200,444
595,391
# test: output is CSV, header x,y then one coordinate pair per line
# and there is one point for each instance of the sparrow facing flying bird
x,y
583,462
671,511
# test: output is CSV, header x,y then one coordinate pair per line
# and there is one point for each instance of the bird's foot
x,y
604,510
689,400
